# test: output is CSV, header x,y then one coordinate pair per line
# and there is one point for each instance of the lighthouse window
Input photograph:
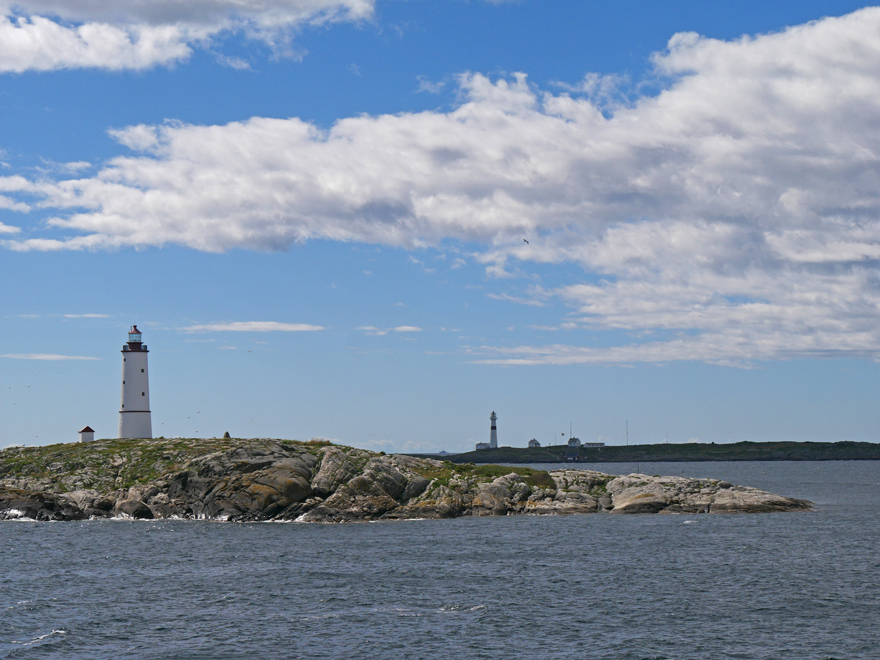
x,y
142,394
142,371
123,382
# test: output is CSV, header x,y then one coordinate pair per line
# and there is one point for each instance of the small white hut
x,y
87,434
534,443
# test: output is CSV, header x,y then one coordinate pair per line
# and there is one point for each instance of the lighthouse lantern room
x,y
134,415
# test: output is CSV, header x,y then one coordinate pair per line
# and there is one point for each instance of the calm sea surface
x,y
787,586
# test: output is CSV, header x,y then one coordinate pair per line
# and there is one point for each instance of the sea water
x,y
677,587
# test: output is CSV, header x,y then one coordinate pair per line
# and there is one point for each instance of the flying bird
x,y
526,242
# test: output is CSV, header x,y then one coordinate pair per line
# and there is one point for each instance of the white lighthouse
x,y
134,416
493,432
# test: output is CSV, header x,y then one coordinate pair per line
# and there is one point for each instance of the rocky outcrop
x,y
254,480
639,493
242,483
132,509
16,503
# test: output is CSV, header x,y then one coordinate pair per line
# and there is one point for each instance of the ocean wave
x,y
462,608
37,640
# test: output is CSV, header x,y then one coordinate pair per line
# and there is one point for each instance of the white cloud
x,y
76,166
373,330
389,446
45,356
568,325
735,216
426,85
87,316
233,62
605,92
381,332
7,229
253,326
378,444
37,43
534,302
45,35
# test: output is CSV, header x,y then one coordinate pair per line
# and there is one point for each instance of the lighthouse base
x,y
135,424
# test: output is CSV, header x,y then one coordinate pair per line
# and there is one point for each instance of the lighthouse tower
x,y
493,432
134,416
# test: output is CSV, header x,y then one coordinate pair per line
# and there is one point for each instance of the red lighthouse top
x,y
134,340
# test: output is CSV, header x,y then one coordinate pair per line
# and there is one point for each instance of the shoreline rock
x,y
276,480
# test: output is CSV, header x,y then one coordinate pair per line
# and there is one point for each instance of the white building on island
x,y
86,434
134,416
533,443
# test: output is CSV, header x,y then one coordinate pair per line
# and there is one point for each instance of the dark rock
x,y
16,503
414,488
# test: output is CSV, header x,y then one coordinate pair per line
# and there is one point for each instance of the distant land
x,y
738,451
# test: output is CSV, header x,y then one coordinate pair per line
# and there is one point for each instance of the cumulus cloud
x,y
44,35
253,326
731,217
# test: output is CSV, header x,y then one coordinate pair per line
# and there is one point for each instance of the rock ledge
x,y
266,479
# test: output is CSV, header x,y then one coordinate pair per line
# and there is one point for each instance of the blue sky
x,y
377,221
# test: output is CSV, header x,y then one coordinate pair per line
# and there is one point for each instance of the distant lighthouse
x,y
134,416
493,432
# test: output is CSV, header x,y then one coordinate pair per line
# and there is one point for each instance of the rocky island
x,y
285,480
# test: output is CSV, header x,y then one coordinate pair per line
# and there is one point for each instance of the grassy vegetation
x,y
738,451
106,464
534,478
316,443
